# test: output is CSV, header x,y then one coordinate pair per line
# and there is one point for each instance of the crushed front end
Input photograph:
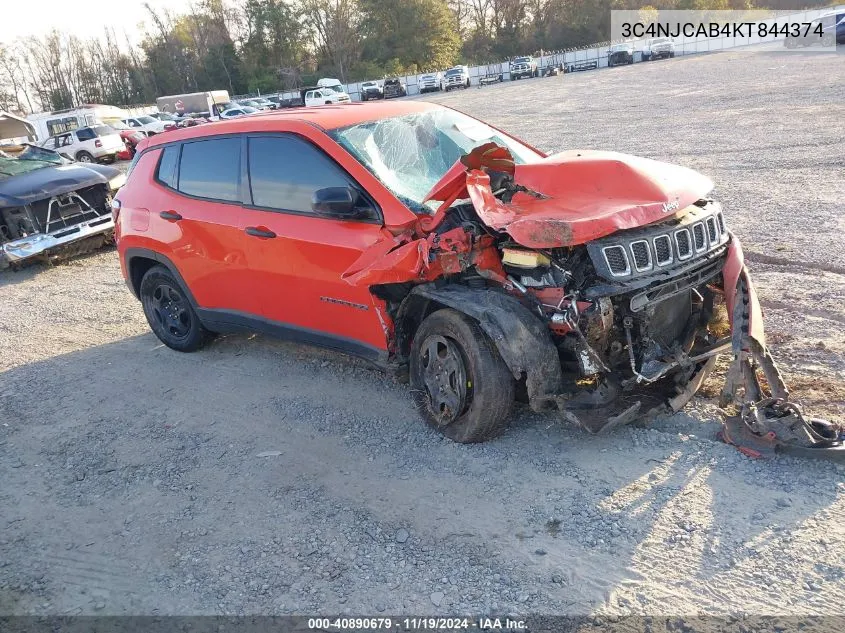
x,y
50,207
609,284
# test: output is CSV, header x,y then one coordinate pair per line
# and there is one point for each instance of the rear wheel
x,y
461,385
169,313
84,157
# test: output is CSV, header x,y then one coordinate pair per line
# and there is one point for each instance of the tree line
x,y
251,46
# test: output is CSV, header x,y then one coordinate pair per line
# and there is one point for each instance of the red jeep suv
x,y
425,240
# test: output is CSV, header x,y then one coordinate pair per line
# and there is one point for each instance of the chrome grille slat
x,y
663,250
641,255
698,236
617,260
683,241
712,230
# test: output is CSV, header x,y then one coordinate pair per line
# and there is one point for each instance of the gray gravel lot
x,y
259,476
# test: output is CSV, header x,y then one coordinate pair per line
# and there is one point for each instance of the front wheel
x,y
169,313
460,384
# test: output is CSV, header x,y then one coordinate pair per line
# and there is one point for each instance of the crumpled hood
x,y
584,195
16,191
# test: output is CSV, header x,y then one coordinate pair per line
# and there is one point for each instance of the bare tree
x,y
335,27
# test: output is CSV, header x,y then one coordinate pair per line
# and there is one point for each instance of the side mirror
x,y
337,201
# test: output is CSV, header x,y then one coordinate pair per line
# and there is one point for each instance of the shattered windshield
x,y
410,153
30,159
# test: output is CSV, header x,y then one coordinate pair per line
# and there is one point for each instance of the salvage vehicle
x,y
147,124
210,102
593,283
98,143
52,206
238,111
658,48
130,137
430,82
371,90
324,96
457,77
394,87
620,54
524,67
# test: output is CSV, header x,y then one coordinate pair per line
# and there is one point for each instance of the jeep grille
x,y
659,247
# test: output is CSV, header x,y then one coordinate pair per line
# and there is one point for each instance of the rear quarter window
x,y
85,134
211,169
166,172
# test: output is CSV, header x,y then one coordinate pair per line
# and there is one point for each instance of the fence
x,y
597,53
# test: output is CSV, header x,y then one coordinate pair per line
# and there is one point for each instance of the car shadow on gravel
x,y
258,461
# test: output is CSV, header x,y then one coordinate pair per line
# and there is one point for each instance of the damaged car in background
x,y
51,205
596,284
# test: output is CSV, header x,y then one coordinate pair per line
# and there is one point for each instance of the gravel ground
x,y
259,476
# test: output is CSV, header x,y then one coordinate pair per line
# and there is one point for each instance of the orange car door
x,y
299,254
196,211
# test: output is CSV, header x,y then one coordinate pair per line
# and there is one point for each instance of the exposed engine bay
x,y
623,325
51,206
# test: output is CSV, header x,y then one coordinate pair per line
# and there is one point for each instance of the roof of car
x,y
327,117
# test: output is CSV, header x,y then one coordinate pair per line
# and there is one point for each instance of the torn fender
x,y
400,259
733,271
523,341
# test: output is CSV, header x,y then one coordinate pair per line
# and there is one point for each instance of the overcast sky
x,y
83,18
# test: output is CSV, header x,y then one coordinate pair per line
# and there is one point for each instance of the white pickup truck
x,y
324,96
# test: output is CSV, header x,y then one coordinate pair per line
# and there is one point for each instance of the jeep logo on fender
x,y
668,207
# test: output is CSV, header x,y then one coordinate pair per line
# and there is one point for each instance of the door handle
x,y
170,215
256,231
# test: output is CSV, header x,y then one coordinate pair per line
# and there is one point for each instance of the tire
x,y
169,313
468,373
671,55
84,157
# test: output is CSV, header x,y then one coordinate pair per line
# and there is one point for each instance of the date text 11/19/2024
x,y
415,624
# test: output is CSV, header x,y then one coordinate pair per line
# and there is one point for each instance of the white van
x,y
49,124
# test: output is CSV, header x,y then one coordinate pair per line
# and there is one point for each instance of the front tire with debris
x,y
461,385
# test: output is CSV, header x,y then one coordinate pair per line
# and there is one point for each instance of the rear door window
x,y
211,169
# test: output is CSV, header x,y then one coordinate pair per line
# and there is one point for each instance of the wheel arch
x,y
522,339
140,260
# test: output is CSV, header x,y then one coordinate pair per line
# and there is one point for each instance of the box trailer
x,y
195,103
